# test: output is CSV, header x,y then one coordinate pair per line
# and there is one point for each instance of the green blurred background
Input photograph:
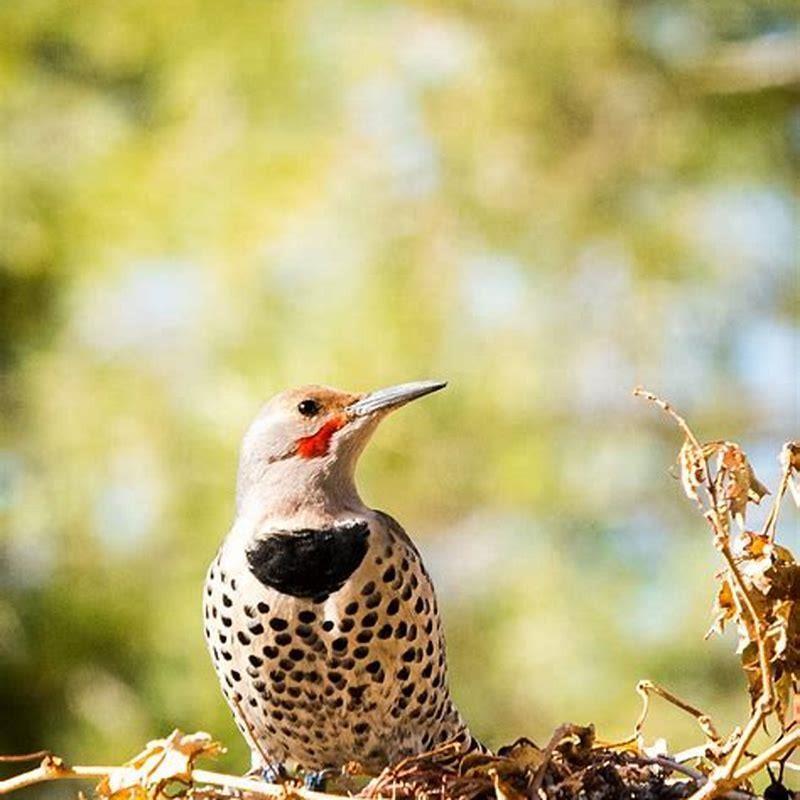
x,y
545,203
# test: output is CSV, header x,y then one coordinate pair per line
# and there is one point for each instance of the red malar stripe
x,y
318,443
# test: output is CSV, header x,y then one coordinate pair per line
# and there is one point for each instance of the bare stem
x,y
690,772
52,769
16,757
784,745
558,735
640,391
645,688
767,691
772,518
720,781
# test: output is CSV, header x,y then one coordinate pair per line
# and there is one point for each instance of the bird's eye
x,y
308,408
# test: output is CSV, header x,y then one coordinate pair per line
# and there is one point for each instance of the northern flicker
x,y
320,617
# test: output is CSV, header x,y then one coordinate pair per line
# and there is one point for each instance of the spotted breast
x,y
329,647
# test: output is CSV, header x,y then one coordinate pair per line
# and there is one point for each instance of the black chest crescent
x,y
309,563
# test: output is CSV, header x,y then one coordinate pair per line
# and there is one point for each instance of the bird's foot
x,y
315,781
269,773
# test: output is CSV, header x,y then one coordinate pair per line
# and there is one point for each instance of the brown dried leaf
x,y
693,469
756,544
503,790
514,759
523,754
725,608
161,762
735,481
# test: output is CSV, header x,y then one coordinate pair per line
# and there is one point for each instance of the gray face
x,y
315,433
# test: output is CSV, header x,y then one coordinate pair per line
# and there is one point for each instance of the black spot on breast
x,y
309,563
389,575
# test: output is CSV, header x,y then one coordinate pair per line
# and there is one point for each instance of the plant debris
x,y
161,763
574,768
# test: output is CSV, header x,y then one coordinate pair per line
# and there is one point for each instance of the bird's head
x,y
303,445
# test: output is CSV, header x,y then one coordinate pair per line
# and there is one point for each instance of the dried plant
x,y
758,591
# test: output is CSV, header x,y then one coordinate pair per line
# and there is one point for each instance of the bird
x,y
320,617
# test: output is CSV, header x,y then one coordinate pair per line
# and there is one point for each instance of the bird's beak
x,y
393,397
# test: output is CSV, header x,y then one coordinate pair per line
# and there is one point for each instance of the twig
x,y
690,772
547,754
37,756
259,787
645,687
674,766
640,391
783,746
720,781
786,474
53,769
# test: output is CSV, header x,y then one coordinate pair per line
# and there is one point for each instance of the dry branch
x,y
758,592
